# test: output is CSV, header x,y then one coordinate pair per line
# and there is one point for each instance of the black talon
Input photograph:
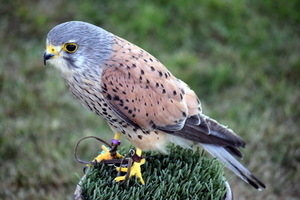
x,y
84,169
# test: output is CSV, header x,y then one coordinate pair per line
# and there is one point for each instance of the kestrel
x,y
137,95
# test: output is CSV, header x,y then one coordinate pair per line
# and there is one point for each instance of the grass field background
x,y
241,57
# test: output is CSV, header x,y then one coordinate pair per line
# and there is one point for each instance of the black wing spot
x,y
160,73
181,97
116,98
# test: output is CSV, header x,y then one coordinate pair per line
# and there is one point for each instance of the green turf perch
x,y
180,175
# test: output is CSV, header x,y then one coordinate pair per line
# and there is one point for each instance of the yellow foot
x,y
135,169
105,155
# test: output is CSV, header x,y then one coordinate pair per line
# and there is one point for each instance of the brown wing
x,y
143,92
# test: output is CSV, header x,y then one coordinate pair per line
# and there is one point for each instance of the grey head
x,y
77,46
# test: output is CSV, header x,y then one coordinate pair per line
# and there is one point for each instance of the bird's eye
x,y
70,47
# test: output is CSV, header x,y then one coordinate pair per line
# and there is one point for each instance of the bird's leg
x,y
135,169
109,154
114,147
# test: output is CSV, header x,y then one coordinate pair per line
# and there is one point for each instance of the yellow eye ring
x,y
70,47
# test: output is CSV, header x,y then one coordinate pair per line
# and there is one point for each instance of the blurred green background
x,y
241,57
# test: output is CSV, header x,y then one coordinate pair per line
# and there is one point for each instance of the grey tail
x,y
220,142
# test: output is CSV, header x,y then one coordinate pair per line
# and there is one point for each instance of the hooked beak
x,y
47,57
50,52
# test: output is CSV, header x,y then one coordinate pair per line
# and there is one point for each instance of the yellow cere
x,y
51,49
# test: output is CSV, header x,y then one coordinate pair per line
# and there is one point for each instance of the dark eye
x,y
70,47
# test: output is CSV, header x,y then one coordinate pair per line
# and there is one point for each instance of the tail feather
x,y
234,165
220,142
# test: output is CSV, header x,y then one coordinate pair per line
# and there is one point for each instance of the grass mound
x,y
182,174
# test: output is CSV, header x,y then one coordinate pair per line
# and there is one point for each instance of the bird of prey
x,y
137,95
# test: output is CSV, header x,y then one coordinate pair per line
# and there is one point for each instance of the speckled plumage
x,y
137,95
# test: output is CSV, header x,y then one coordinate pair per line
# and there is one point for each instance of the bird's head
x,y
77,46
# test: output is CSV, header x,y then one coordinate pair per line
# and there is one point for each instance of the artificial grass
x,y
183,174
